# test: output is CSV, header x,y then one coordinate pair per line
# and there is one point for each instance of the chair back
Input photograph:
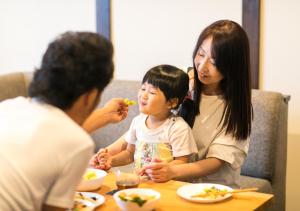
x,y
267,154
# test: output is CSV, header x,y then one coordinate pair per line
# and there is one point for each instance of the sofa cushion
x,y
263,185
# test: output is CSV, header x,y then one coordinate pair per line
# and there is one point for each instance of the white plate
x,y
187,191
91,200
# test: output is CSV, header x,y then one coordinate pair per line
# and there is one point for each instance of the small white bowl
x,y
92,184
132,206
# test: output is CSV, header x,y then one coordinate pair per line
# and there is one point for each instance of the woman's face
x,y
208,74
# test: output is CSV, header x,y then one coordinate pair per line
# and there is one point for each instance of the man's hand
x,y
117,109
114,111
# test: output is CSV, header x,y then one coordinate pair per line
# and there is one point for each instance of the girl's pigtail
x,y
187,111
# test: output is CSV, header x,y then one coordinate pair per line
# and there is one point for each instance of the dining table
x,y
170,201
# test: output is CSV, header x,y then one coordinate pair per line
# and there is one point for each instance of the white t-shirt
x,y
211,143
173,138
43,154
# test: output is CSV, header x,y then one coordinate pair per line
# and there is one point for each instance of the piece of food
x,y
211,193
129,102
135,198
89,175
79,195
79,206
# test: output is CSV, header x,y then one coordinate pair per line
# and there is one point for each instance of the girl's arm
x,y
124,157
117,146
162,172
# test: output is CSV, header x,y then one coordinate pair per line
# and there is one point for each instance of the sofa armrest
x,y
13,85
268,142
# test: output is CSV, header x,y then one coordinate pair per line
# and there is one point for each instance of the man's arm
x,y
114,111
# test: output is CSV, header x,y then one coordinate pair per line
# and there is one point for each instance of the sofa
x,y
265,166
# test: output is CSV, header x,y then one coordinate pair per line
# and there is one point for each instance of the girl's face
x,y
152,101
208,74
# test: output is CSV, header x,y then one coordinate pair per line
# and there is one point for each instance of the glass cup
x,y
126,177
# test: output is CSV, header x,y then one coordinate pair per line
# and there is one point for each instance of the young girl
x,y
156,133
222,98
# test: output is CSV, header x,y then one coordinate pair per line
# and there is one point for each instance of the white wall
x,y
151,32
26,28
280,63
280,71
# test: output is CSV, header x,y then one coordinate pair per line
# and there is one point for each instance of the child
x,y
156,133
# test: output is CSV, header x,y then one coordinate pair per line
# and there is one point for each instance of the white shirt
x,y
43,154
211,143
173,138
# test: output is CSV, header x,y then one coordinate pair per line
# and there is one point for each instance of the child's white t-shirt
x,y
173,138
211,143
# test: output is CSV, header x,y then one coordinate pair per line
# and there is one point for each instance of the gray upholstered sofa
x,y
265,166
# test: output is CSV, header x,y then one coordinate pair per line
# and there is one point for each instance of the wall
x,y
280,58
26,27
147,33
280,64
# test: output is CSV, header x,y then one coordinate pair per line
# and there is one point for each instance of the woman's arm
x,y
179,160
197,169
162,172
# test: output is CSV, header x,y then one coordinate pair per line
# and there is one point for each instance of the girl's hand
x,y
158,171
104,159
94,162
101,160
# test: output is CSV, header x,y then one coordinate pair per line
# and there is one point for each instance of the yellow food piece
x,y
211,193
136,198
89,175
129,102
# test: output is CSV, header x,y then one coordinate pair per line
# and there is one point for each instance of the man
x,y
43,148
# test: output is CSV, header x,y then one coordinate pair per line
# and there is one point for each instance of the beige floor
x,y
293,172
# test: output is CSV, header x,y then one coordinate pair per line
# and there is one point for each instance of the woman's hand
x,y
191,83
158,171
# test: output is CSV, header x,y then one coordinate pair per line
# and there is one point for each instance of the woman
x,y
222,108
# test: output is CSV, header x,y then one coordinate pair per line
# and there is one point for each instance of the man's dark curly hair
x,y
73,64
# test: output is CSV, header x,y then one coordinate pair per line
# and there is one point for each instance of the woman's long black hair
x,y
230,50
172,81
